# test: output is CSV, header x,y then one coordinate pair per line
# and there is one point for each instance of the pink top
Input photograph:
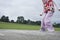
x,y
48,5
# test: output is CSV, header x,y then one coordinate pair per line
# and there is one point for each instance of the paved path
x,y
28,35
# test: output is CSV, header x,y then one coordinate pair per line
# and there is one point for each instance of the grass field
x,y
20,26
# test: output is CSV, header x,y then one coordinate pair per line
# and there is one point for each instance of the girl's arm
x,y
56,6
41,14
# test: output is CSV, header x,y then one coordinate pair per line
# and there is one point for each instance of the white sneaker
x,y
51,32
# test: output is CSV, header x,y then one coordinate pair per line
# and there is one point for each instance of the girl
x,y
48,11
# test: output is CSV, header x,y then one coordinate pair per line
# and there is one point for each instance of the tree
x,y
38,22
12,21
25,22
20,19
0,19
29,22
7,19
57,25
33,22
4,18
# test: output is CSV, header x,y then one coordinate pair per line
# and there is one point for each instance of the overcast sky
x,y
30,9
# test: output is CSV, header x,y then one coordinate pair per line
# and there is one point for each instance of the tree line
x,y
20,20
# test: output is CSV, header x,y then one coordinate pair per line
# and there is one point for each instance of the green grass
x,y
4,25
18,26
57,29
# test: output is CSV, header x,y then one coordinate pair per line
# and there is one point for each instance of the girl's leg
x,y
48,24
43,24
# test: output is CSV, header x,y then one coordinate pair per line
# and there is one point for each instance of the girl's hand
x,y
40,14
59,9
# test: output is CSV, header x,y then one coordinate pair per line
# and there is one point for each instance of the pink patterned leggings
x,y
46,22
